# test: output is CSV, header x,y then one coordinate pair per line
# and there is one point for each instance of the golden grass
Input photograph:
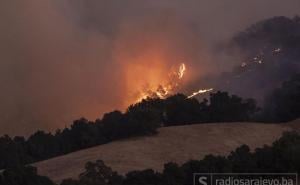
x,y
173,144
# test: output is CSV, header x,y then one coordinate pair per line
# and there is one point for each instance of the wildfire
x,y
201,91
181,70
166,89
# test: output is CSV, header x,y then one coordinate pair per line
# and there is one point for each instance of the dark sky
x,y
62,60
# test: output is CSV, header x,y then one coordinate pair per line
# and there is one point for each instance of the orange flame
x,y
165,89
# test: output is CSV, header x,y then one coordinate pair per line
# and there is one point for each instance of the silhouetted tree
x,y
180,110
284,103
142,122
42,145
13,152
173,174
99,174
112,123
145,177
225,108
70,182
23,176
242,160
84,133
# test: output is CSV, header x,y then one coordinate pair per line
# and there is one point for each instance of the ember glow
x,y
166,89
201,91
181,70
63,60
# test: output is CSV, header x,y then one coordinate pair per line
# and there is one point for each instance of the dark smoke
x,y
61,60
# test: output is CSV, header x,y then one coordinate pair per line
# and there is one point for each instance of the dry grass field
x,y
172,144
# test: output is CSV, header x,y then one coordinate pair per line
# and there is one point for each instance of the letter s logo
x,y
202,180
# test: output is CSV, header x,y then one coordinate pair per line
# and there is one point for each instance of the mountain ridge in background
x,y
265,55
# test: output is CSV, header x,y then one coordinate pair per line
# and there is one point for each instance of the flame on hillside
x,y
170,86
164,90
181,71
200,91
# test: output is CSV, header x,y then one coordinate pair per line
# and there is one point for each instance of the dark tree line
x,y
21,175
284,103
180,110
82,134
145,117
140,119
283,156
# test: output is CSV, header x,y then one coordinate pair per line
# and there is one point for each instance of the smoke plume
x,y
62,60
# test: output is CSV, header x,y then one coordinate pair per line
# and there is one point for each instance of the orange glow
x,y
151,63
147,66
163,87
143,75
201,91
181,71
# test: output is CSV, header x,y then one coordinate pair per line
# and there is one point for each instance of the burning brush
x,y
167,89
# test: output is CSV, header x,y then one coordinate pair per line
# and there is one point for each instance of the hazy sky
x,y
62,60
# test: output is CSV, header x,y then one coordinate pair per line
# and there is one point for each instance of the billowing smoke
x,y
62,60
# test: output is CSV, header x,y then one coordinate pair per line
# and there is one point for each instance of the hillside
x,y
268,54
177,144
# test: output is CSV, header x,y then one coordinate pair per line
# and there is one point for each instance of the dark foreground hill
x,y
172,144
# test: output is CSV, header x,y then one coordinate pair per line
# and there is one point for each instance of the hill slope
x,y
172,144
